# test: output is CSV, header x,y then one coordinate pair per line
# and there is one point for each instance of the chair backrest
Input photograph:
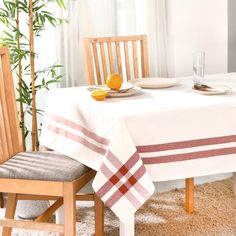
x,y
125,55
10,139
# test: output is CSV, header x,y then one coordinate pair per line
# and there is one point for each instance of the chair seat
x,y
46,165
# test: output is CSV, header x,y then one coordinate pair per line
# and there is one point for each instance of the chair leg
x,y
99,216
234,183
189,195
1,201
69,210
10,212
60,218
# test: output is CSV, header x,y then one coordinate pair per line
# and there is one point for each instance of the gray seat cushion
x,y
47,165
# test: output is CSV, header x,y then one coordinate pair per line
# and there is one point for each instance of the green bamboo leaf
x,y
23,8
43,81
8,34
24,85
59,77
29,112
26,133
52,81
61,3
36,9
57,66
37,87
62,20
51,20
6,5
27,67
4,12
18,99
47,13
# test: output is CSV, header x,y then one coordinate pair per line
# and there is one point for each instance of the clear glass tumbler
x,y
198,67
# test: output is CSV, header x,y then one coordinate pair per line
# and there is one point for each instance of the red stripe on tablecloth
x,y
115,177
189,156
125,191
118,164
186,144
78,127
127,166
76,138
108,185
122,170
118,185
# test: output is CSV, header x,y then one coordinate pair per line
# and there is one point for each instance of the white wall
x,y
231,36
197,25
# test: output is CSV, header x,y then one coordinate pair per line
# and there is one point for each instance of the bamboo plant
x,y
22,22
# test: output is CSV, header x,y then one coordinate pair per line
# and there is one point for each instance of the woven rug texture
x,y
164,215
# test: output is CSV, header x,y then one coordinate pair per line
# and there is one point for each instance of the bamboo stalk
x,y
34,133
22,114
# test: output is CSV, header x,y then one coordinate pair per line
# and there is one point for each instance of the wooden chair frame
x,y
20,189
105,44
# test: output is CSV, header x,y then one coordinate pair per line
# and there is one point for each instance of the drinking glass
x,y
198,67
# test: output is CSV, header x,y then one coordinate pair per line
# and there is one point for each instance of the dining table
x,y
155,135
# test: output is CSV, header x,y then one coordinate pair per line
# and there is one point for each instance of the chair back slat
x,y
144,57
127,64
110,56
96,62
89,63
103,58
115,56
10,142
118,58
135,59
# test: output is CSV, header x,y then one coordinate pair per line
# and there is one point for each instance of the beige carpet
x,y
163,215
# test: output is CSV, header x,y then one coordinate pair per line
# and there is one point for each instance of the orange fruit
x,y
114,81
99,94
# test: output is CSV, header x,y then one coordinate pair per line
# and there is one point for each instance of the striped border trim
x,y
186,144
78,127
76,138
189,156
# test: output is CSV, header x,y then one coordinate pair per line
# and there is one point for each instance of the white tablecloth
x,y
159,134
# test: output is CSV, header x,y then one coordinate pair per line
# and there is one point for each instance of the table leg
x,y
60,217
189,195
234,183
127,228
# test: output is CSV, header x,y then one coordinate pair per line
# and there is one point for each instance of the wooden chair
x,y
37,175
125,55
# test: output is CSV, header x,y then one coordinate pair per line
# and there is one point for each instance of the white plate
x,y
153,83
117,94
216,90
131,90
